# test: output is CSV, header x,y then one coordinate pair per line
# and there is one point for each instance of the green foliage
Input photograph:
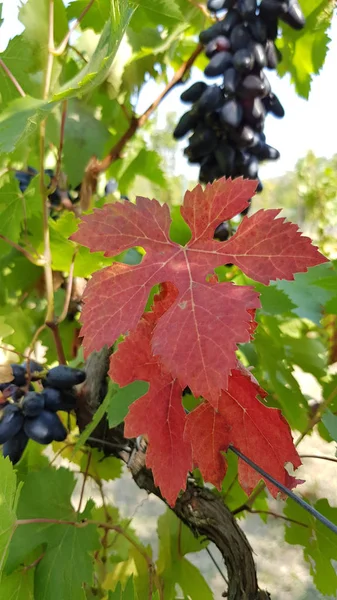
x,y
319,544
86,549
304,52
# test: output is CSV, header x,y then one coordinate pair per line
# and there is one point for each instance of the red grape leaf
x,y
197,337
159,414
259,432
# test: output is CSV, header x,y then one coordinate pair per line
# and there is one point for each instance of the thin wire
x,y
284,489
216,564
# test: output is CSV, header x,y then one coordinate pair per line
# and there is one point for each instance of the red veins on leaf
x,y
159,414
259,432
197,336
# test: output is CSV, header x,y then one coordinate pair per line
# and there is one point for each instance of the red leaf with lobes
x,y
259,432
159,414
197,336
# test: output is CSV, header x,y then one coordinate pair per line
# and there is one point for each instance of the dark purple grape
x,y
32,404
111,187
271,55
35,369
247,9
187,122
274,106
272,9
239,38
225,156
15,447
222,232
259,55
63,377
12,391
243,61
243,136
215,5
231,113
52,399
218,63
211,33
259,187
19,373
265,152
231,19
258,30
202,142
11,422
251,169
230,81
251,87
211,99
219,44
45,428
194,92
294,16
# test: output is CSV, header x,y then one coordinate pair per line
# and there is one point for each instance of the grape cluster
x,y
55,198
29,414
227,120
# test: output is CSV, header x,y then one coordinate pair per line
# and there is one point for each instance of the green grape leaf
x,y
20,119
101,466
95,18
308,353
127,594
304,51
122,399
147,164
9,494
168,8
11,210
307,293
18,586
274,301
97,69
68,553
330,422
18,59
179,230
23,322
34,15
319,543
85,136
47,494
191,581
5,329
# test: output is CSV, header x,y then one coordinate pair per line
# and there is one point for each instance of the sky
x,y
307,125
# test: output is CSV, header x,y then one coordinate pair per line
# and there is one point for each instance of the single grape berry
x,y
222,232
19,373
11,422
45,428
63,377
14,448
32,404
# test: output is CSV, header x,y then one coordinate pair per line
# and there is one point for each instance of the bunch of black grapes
x,y
55,198
227,120
29,414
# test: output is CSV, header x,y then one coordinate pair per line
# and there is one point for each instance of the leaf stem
x,y
318,456
12,78
53,326
68,290
61,48
60,150
28,255
85,477
267,512
318,415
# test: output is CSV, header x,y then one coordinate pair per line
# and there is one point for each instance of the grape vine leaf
x,y
259,432
319,543
304,51
122,400
18,586
168,455
47,494
197,336
127,594
9,494
175,541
